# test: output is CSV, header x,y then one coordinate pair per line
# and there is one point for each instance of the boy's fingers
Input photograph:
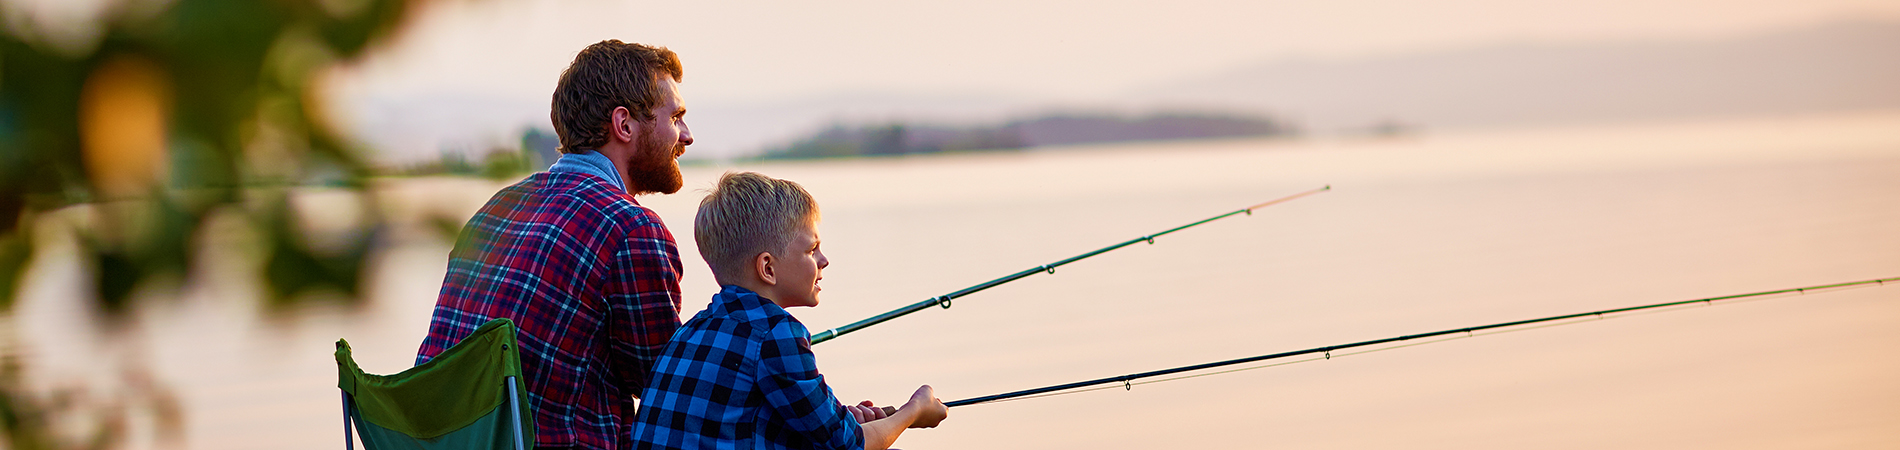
x,y
863,414
889,411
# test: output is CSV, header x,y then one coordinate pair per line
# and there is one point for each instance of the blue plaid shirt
x,y
741,374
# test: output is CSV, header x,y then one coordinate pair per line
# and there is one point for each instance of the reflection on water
x,y
1425,233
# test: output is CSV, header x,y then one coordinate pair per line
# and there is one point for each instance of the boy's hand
x,y
930,410
865,411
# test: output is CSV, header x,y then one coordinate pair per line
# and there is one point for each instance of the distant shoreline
x,y
906,138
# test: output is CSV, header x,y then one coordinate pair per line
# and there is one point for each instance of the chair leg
x,y
348,444
514,413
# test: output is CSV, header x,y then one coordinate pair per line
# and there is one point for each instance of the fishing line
x,y
1129,386
1127,382
943,301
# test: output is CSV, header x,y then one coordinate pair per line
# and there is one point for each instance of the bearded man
x,y
590,278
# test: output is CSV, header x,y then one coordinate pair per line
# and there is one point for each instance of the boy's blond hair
x,y
746,214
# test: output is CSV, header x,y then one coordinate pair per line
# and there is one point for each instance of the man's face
x,y
799,269
655,166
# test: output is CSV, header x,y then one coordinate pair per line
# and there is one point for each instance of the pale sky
x,y
747,54
474,71
739,52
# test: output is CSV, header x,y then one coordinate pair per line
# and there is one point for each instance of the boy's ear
x,y
762,265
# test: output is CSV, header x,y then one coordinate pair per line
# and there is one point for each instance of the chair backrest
x,y
468,397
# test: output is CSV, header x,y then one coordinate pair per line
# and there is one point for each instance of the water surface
x,y
1420,233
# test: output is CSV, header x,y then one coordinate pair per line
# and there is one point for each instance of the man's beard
x,y
653,168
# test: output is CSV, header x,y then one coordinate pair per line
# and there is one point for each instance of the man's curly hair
x,y
604,76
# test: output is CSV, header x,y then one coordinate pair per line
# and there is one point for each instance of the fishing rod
x,y
1328,350
944,300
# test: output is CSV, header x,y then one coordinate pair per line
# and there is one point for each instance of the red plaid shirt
x,y
591,279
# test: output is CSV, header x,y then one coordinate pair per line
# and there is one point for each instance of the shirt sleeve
x,y
643,296
797,393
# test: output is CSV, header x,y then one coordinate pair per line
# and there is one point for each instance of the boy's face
x,y
799,269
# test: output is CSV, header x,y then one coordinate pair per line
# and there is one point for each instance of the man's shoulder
x,y
578,197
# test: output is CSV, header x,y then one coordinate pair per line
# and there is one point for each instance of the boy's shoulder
x,y
742,312
706,390
740,334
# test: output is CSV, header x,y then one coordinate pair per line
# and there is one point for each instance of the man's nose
x,y
686,134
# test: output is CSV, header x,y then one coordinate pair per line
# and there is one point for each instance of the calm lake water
x,y
1421,233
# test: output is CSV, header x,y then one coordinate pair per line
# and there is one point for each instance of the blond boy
x,y
741,374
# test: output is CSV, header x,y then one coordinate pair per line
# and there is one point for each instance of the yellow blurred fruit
x,y
123,114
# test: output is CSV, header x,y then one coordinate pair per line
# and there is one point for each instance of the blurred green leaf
x,y
232,81
16,250
238,74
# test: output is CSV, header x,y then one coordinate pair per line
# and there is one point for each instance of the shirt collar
x,y
734,298
592,163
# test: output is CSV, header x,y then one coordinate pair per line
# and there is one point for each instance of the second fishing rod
x,y
943,301
1126,381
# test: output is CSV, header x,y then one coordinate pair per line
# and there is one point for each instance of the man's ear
x,y
622,126
763,264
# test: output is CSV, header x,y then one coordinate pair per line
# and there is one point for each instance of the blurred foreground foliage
x,y
173,113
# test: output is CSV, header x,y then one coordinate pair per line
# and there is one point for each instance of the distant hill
x,y
898,138
1832,67
1839,66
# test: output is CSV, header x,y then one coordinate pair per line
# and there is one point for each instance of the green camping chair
x,y
468,397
